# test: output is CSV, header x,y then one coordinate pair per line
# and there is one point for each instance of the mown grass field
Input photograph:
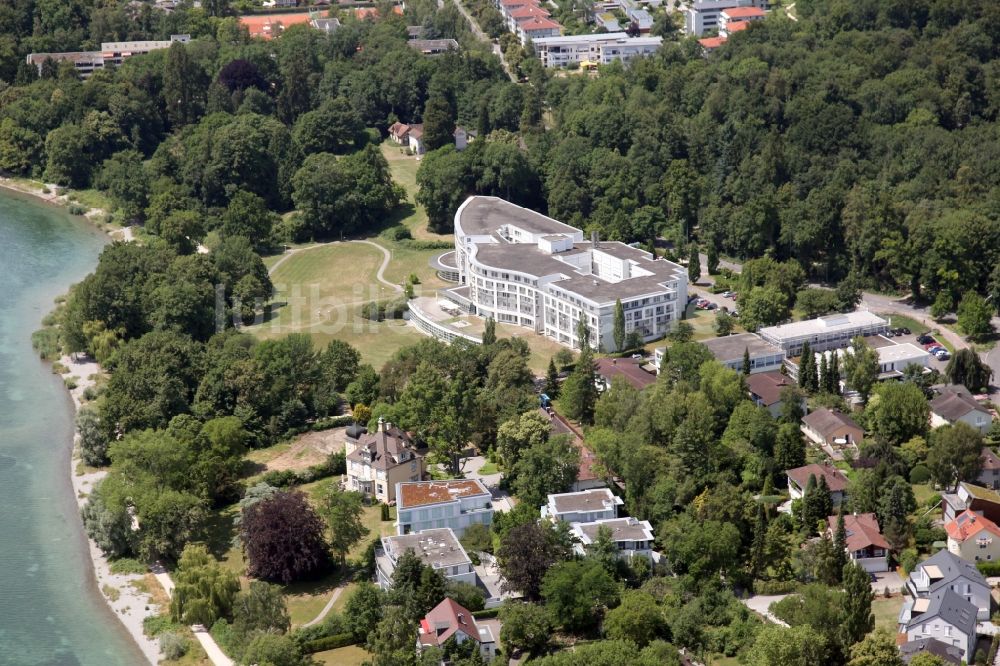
x,y
345,656
404,171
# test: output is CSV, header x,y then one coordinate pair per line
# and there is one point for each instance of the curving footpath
x,y
379,275
212,649
329,605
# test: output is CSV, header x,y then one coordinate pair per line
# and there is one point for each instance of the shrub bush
x,y
395,308
775,586
173,646
77,209
154,625
486,613
920,474
373,311
329,643
989,568
908,559
397,233
46,343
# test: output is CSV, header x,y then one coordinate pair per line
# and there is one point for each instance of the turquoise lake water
x,y
50,611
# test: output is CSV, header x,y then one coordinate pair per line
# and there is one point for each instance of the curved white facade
x,y
524,268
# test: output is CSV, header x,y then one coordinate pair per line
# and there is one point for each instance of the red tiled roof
x,y
537,23
967,525
444,620
736,26
712,42
744,12
629,368
862,531
269,26
365,12
527,11
835,479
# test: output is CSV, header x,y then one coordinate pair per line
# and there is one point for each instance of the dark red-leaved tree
x,y
241,74
283,538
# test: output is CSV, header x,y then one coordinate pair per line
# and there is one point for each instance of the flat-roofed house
x,y
380,460
583,507
632,537
955,404
981,501
730,349
437,548
832,428
448,620
865,544
798,481
453,503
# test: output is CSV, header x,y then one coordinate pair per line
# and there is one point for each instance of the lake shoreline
x,y
127,603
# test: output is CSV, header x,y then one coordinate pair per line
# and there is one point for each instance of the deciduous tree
x,y
283,538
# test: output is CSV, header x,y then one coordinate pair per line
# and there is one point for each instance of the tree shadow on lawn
x,y
322,584
219,531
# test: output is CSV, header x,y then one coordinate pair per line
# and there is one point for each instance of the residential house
x,y
865,544
895,357
585,506
973,537
449,619
514,16
981,501
639,18
989,474
437,548
454,503
633,537
948,618
729,350
379,461
766,388
947,653
608,21
400,133
416,139
832,428
945,571
709,44
831,332
836,481
955,404
270,26
630,369
730,17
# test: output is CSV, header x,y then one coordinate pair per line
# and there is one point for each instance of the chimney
x,y
593,239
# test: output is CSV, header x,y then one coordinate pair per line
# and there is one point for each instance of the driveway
x,y
761,604
887,579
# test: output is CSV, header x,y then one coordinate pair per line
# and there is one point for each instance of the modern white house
x,y
633,537
112,54
454,503
701,16
597,49
587,506
521,267
831,332
437,548
736,18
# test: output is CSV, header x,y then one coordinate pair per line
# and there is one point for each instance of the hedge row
x,y
334,465
329,643
486,613
989,568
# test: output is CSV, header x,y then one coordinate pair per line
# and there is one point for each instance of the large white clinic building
x,y
599,49
521,267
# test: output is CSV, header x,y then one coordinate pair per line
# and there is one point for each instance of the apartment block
x,y
599,49
455,504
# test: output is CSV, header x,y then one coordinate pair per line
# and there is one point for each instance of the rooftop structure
x,y
631,536
980,500
822,333
269,26
836,481
766,388
831,426
455,503
865,543
701,16
729,350
433,46
947,615
583,507
955,404
437,548
382,459
948,653
524,268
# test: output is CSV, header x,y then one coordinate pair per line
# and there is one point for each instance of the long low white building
x,y
598,49
831,332
520,267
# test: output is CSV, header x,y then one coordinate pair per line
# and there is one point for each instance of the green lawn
x,y
404,171
886,612
347,656
489,468
305,600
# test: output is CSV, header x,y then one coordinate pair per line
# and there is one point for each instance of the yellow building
x,y
380,460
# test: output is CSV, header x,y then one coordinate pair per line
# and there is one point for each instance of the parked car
x,y
712,306
942,354
905,330
924,339
890,333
